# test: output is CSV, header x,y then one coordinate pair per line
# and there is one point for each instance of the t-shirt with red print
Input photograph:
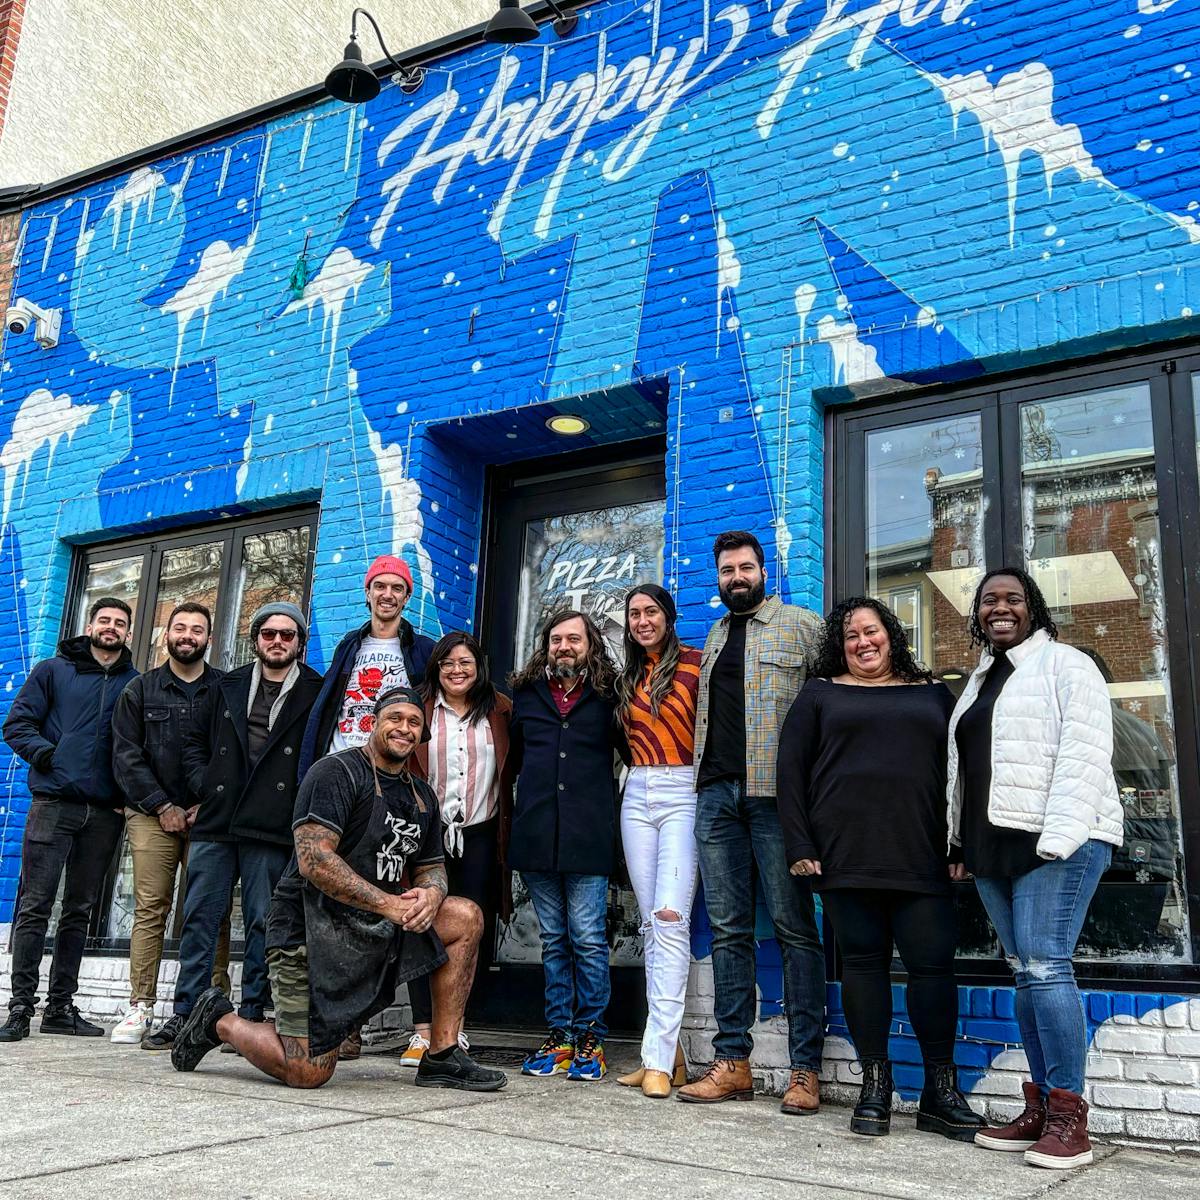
x,y
379,665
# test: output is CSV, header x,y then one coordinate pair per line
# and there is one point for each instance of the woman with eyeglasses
x,y
466,762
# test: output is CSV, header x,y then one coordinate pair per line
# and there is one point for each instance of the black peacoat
x,y
565,812
240,799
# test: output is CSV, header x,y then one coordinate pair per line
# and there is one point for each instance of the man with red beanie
x,y
384,653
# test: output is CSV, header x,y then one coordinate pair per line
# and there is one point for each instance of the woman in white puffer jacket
x,y
1034,813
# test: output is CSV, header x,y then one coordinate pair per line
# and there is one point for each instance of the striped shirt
x,y
462,771
666,740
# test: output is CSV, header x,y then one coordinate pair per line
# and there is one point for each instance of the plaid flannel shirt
x,y
782,641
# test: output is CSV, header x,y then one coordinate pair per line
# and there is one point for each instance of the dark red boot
x,y
1024,1131
1064,1143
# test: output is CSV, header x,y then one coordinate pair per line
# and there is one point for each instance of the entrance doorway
x,y
573,531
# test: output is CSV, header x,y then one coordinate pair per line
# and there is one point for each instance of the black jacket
x,y
153,719
565,813
415,648
61,724
241,800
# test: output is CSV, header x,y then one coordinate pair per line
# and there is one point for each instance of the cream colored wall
x,y
96,79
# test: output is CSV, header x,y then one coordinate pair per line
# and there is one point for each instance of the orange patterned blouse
x,y
666,740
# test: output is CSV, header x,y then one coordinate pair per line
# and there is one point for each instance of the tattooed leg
x,y
284,1058
459,924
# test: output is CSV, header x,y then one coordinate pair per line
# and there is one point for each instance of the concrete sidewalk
x,y
85,1118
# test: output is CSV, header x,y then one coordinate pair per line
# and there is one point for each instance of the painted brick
x,y
1160,1071
1186,1045
1132,1039
1162,1128
1107,1066
1180,1100
1112,1095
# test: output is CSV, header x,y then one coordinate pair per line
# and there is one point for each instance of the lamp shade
x,y
352,81
511,26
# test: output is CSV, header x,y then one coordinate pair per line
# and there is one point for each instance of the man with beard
x,y
563,838
60,724
154,717
755,661
384,653
241,763
361,908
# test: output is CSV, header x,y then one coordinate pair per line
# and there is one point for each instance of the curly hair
x,y
1039,610
601,673
831,658
663,676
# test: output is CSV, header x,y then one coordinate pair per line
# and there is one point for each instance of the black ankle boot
x,y
943,1108
873,1112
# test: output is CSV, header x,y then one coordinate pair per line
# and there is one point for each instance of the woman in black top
x,y
862,784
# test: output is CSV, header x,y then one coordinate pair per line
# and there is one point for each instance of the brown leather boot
x,y
1064,1142
726,1079
351,1048
803,1095
1022,1132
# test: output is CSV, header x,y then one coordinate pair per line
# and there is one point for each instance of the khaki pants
x,y
157,855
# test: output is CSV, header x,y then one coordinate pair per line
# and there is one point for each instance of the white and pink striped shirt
x,y
462,771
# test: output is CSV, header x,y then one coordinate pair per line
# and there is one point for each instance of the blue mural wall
x,y
745,202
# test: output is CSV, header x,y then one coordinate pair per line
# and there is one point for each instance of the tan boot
x,y
803,1095
656,1085
633,1079
678,1076
726,1079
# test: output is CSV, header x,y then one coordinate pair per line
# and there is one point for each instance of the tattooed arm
x,y
321,865
425,896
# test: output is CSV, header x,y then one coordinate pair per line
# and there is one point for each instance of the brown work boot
x,y
1064,1142
803,1095
1022,1132
351,1048
726,1079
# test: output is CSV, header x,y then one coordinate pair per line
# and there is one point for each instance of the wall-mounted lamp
x,y
567,425
353,82
512,25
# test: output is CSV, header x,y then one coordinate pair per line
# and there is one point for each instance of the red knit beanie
x,y
389,564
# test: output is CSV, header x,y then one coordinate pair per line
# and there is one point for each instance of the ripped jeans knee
x,y
1034,971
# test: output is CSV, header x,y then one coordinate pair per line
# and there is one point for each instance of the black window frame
x,y
1167,371
233,532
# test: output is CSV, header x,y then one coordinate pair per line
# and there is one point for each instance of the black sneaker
x,y
199,1033
163,1038
66,1019
17,1025
458,1070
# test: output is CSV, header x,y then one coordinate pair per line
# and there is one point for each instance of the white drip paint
x,y
43,419
49,246
806,297
224,170
138,190
729,268
1016,114
341,274
853,361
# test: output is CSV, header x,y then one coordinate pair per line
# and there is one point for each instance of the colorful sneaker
x,y
589,1062
552,1057
134,1025
417,1045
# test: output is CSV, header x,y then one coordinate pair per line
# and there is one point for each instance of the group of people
x,y
375,817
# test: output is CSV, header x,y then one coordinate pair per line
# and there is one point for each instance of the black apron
x,y
357,959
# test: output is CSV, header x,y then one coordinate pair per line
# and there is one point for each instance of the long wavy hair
x,y
1039,610
663,675
481,699
831,660
601,673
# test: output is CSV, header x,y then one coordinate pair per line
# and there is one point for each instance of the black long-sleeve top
x,y
862,784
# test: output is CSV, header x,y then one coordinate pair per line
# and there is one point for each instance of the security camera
x,y
47,322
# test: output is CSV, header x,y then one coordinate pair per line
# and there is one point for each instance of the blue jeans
x,y
1038,917
212,870
737,833
571,911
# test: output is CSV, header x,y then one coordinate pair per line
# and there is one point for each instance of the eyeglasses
x,y
286,636
456,664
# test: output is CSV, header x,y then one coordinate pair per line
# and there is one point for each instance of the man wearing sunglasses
x,y
241,761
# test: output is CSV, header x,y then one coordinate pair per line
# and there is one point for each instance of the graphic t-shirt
x,y
383,838
378,666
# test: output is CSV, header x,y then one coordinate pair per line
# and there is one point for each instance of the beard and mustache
x,y
187,654
742,597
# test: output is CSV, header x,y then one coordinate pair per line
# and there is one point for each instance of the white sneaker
x,y
463,1044
417,1046
134,1025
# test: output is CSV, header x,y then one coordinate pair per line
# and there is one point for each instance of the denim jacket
x,y
152,720
782,642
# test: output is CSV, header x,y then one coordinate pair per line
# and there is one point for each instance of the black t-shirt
x,y
382,846
258,727
725,746
862,784
189,687
992,851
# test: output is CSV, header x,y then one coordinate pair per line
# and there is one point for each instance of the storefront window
x,y
1089,500
119,577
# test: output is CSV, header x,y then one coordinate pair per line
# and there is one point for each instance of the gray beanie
x,y
279,608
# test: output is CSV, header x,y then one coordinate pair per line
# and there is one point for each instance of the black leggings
x,y
866,923
475,876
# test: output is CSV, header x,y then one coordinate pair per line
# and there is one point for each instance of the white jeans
x,y
658,828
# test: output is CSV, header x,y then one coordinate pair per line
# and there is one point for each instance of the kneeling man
x,y
361,908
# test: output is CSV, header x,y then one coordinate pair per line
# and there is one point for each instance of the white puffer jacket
x,y
1051,750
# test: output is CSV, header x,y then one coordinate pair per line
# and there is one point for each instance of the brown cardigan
x,y
498,719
